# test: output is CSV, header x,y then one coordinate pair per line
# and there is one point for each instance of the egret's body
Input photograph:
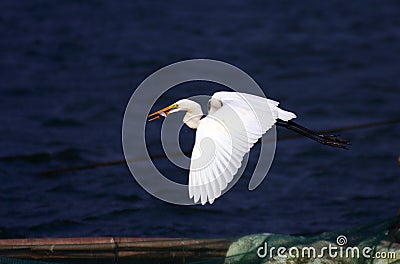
x,y
235,122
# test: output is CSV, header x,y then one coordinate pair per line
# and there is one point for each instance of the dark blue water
x,y
68,69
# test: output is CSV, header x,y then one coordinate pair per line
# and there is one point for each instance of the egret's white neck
x,y
193,113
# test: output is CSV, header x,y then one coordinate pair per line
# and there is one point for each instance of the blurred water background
x,y
68,69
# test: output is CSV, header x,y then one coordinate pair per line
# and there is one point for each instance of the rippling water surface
x,y
68,68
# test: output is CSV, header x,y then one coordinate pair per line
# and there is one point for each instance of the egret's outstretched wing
x,y
262,106
224,137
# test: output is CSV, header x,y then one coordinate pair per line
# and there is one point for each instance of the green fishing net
x,y
372,243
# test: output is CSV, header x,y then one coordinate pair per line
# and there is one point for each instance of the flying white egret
x,y
235,122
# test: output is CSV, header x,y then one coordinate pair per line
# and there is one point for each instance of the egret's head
x,y
192,109
175,107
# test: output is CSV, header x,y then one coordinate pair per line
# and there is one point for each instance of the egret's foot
x,y
336,138
333,142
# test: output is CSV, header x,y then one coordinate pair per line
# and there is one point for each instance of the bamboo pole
x,y
115,249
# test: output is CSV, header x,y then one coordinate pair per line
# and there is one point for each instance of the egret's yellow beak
x,y
163,112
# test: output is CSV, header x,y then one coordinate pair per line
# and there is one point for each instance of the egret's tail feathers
x,y
285,115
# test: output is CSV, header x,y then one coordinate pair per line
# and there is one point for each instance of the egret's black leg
x,y
334,138
320,138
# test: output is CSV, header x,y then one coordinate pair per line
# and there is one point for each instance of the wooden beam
x,y
110,249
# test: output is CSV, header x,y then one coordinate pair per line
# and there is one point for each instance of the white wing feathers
x,y
224,137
